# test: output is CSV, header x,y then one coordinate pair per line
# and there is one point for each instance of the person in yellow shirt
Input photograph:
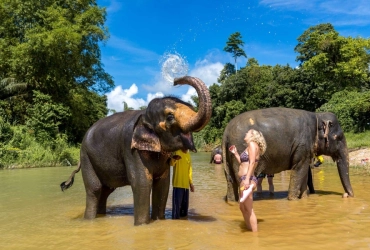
x,y
181,181
319,161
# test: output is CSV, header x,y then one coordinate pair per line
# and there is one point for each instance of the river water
x,y
35,214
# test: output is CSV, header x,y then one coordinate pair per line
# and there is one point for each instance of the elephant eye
x,y
170,117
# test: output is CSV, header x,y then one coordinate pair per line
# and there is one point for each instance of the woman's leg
x,y
250,218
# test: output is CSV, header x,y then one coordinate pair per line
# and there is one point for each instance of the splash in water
x,y
173,65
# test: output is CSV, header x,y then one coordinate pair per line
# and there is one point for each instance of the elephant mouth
x,y
188,142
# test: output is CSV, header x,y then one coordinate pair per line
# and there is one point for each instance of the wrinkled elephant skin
x,y
293,137
134,147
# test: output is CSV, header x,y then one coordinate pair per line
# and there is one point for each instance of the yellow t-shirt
x,y
320,158
182,170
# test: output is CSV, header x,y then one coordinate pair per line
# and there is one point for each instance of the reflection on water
x,y
35,214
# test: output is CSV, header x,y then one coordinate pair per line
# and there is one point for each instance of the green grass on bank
x,y
23,150
358,140
28,153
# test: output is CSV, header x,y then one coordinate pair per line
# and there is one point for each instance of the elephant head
x,y
331,141
168,122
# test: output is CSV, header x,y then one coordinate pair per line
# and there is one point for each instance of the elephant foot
x,y
89,216
293,198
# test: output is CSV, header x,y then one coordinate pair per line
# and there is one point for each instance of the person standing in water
x,y
270,179
248,159
181,181
217,159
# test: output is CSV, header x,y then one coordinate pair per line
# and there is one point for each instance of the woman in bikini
x,y
248,159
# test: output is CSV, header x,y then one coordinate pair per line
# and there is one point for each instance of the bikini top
x,y
244,157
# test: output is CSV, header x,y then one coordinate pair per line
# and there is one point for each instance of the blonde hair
x,y
258,138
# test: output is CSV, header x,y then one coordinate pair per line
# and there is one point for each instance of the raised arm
x,y
235,152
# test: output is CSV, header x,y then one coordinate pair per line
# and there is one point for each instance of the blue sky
x,y
143,31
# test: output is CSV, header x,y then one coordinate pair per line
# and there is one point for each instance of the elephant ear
x,y
144,137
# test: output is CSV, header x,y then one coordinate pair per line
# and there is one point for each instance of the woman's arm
x,y
235,152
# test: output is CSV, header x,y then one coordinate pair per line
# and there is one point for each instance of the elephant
x,y
293,137
216,150
134,148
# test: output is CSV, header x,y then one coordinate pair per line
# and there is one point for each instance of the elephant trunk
x,y
204,113
343,168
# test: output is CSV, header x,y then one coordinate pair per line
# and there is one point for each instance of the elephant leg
x,y
141,193
105,192
160,191
310,182
298,181
93,188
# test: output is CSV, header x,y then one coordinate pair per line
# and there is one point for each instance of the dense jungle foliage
x,y
52,81
333,76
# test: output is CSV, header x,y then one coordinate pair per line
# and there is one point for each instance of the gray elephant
x,y
215,151
134,148
293,137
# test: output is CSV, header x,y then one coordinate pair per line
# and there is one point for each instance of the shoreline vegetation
x,y
45,111
31,154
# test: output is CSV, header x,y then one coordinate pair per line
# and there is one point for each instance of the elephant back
x,y
285,130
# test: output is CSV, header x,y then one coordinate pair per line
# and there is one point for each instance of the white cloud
x,y
205,69
160,85
117,96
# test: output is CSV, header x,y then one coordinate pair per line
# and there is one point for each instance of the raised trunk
x,y
343,168
203,116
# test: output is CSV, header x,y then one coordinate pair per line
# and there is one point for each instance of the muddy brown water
x,y
35,214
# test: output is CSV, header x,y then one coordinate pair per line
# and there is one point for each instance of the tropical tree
x,y
352,109
308,42
45,117
10,87
233,46
334,62
126,107
226,72
53,47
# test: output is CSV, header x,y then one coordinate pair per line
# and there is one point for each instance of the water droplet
x,y
173,65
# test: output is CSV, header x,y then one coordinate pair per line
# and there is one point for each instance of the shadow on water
x,y
265,195
120,210
193,216
323,193
128,210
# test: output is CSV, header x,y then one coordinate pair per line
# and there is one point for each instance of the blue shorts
x,y
262,175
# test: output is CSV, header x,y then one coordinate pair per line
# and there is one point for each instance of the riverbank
x,y
36,155
359,157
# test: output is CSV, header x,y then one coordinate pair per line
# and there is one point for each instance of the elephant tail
x,y
68,183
